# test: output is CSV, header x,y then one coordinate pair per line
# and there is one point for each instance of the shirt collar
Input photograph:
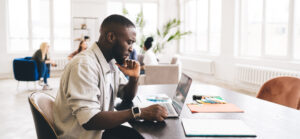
x,y
107,66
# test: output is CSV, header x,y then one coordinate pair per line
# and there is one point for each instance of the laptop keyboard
x,y
169,108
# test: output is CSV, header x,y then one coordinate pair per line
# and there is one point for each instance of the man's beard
x,y
116,55
120,61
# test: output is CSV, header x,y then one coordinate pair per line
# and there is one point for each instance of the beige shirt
x,y
84,92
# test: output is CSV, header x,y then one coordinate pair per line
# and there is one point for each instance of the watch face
x,y
136,110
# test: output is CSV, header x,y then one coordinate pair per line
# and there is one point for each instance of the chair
x,y
41,105
162,73
26,69
282,90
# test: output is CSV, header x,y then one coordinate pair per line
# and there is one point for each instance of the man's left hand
x,y
131,68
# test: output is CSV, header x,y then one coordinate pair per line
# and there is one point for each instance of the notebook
x,y
214,108
216,128
174,106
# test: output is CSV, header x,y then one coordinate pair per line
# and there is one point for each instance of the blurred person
x,y
82,46
149,56
43,64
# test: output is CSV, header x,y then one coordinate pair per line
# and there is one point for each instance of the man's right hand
x,y
154,112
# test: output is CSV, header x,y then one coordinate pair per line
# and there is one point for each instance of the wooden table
x,y
268,120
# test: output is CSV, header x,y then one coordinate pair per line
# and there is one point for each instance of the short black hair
x,y
117,19
148,42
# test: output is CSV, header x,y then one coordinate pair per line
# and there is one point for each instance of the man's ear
x,y
111,37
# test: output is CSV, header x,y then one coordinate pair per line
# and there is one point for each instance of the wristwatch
x,y
136,112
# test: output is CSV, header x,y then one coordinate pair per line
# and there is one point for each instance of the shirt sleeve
x,y
83,93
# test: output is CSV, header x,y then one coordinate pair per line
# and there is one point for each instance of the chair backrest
x,y
41,105
174,60
162,74
282,90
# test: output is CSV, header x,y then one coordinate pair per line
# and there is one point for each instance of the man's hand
x,y
131,68
154,112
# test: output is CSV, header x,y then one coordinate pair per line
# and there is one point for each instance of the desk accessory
x,y
214,108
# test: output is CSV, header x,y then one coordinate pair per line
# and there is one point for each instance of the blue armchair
x,y
26,69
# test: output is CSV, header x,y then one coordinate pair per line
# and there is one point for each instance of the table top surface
x,y
266,119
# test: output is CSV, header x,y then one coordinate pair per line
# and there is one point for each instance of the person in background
x,y
149,56
82,46
43,64
133,55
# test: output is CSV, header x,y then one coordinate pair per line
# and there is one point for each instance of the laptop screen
x,y
182,91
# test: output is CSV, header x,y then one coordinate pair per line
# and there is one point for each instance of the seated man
x,y
92,80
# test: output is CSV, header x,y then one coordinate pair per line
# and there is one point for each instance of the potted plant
x,y
168,33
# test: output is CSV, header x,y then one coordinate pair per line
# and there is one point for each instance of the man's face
x,y
123,44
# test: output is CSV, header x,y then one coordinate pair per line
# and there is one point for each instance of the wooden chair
x,y
41,105
282,90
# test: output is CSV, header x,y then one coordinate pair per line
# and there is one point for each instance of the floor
x,y
15,116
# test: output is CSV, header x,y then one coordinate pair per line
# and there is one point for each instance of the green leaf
x,y
125,11
158,32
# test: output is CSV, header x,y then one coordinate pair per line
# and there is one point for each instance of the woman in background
x,y
82,46
43,64
149,56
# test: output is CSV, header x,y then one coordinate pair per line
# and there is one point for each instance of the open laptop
x,y
174,108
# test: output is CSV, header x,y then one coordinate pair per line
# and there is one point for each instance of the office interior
x,y
236,45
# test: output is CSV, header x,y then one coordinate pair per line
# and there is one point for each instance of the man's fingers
x,y
130,63
134,64
165,115
125,63
161,119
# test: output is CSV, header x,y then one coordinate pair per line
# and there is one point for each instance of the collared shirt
x,y
84,92
150,58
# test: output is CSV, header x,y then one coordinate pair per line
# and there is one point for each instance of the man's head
x,y
117,37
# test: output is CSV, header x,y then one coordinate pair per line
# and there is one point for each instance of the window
x,y
203,19
269,28
133,8
149,10
37,21
296,33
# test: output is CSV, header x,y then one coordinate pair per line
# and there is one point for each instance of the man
x,y
91,81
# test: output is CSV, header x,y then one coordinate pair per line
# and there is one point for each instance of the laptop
x,y
175,106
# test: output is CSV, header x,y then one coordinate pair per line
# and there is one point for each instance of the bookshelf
x,y
84,26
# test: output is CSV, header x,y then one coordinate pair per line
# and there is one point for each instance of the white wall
x,y
80,8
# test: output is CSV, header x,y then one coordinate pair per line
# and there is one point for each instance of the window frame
x,y
196,52
30,37
263,55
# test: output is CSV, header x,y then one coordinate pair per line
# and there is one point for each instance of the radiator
x,y
257,75
198,65
61,63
